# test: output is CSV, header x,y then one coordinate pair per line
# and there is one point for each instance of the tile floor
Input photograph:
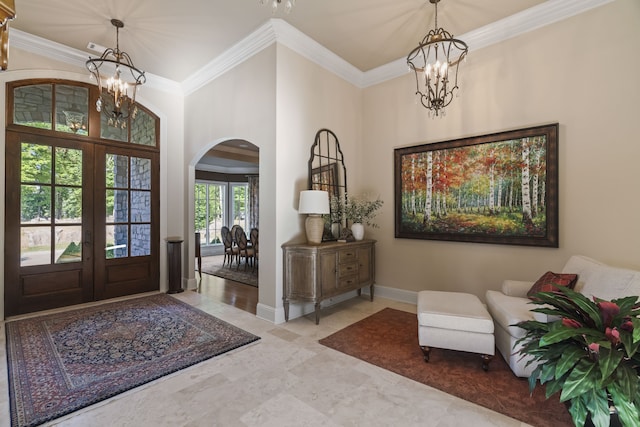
x,y
284,379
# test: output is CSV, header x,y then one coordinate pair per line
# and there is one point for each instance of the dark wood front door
x,y
81,222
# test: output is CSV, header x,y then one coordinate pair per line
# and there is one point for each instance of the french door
x,y
81,223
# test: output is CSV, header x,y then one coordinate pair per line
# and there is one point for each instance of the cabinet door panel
x,y
328,277
301,272
365,256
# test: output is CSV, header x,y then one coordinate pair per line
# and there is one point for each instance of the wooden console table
x,y
313,273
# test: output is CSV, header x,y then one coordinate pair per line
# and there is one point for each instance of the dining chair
x,y
230,251
253,237
245,251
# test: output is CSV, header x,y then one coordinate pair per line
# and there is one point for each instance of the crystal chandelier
x,y
117,99
288,5
435,63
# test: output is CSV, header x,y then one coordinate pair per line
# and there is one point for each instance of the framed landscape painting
x,y
499,188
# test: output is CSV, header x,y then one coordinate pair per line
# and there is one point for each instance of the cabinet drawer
x,y
347,269
346,255
349,282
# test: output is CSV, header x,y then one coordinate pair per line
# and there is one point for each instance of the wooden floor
x,y
244,297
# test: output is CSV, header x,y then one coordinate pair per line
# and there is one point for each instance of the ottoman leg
x,y
486,359
425,352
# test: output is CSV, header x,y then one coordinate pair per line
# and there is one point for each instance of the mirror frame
x,y
328,172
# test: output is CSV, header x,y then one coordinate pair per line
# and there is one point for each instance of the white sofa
x,y
511,305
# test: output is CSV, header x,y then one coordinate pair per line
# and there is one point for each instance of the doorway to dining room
x,y
226,195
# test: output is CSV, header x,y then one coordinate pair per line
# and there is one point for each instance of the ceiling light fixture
x,y
115,100
288,5
435,63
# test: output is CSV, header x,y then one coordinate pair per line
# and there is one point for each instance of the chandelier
x,y
117,99
288,5
435,63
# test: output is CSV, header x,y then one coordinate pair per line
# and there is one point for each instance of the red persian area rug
x,y
62,362
389,339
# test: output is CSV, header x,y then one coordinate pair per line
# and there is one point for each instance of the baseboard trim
x,y
297,309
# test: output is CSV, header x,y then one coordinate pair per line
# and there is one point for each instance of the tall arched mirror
x,y
327,172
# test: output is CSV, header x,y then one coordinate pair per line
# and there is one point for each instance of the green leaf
x,y
582,378
627,380
627,340
559,333
547,372
628,411
609,361
636,329
568,360
578,411
597,402
553,387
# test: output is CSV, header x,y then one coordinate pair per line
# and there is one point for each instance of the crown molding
x,y
274,30
278,30
68,55
307,47
254,43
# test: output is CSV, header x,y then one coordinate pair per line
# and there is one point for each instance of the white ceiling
x,y
174,39
185,42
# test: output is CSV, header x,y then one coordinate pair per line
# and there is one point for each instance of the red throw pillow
x,y
549,281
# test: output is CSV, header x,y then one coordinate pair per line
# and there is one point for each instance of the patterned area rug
x,y
62,362
213,265
389,339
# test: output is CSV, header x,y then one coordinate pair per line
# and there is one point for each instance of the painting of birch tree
x,y
498,188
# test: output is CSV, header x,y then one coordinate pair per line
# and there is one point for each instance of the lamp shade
x,y
314,202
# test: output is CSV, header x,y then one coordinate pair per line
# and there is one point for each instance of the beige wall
x,y
582,73
278,100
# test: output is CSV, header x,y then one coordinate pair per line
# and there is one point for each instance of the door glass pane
x,y
68,244
32,106
140,239
110,128
140,206
72,109
35,163
35,246
68,205
117,206
117,240
117,171
140,173
35,204
68,166
143,129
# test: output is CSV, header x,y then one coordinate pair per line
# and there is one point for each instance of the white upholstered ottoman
x,y
455,321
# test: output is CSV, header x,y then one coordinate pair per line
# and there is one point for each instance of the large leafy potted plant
x,y
589,354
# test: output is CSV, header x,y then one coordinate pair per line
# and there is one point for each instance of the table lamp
x,y
314,203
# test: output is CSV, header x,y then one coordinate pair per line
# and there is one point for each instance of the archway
x,y
224,189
